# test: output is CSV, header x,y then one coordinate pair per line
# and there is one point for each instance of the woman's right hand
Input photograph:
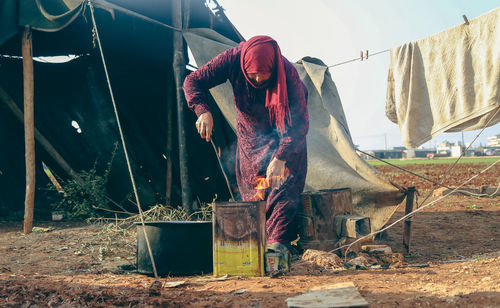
x,y
204,125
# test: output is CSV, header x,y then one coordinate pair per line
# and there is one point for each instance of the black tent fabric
x,y
139,57
8,19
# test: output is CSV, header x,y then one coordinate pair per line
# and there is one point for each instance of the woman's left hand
x,y
276,173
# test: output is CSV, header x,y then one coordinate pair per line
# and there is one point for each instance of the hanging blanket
x,y
447,82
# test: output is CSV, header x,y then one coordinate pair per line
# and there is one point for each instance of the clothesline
x,y
367,55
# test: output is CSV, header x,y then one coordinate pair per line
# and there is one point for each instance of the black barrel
x,y
179,247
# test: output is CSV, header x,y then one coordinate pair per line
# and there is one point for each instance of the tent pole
x,y
170,135
179,67
407,223
29,135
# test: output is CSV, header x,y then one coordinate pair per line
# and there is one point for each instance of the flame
x,y
261,183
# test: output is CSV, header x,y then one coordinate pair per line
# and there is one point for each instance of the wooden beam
x,y
170,136
407,223
44,142
179,67
29,129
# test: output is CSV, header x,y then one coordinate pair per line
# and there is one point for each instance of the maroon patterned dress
x,y
258,139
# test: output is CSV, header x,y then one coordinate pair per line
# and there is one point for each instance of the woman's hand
x,y
204,125
276,173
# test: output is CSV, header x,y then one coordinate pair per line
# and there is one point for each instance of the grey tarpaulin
x,y
332,159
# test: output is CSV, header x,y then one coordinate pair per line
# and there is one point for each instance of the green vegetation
x,y
424,161
84,194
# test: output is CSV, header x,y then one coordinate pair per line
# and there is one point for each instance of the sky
x,y
337,30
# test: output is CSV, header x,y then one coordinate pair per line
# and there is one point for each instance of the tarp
x,y
448,82
44,15
49,15
332,159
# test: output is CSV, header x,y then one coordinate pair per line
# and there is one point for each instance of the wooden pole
x,y
179,67
407,223
170,135
29,129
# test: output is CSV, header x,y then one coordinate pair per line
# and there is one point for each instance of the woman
x,y
272,123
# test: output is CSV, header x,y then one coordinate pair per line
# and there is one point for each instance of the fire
x,y
261,183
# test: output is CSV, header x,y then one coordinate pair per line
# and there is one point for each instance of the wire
x,y
465,151
123,140
359,58
415,211
468,193
405,170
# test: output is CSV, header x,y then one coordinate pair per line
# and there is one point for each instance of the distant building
x,y
494,141
387,154
456,150
444,148
418,153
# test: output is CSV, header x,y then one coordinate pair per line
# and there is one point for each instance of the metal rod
x,y
222,168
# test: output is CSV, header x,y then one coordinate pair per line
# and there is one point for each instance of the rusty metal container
x,y
316,217
239,238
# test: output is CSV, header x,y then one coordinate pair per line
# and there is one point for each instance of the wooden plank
x,y
407,223
29,129
343,294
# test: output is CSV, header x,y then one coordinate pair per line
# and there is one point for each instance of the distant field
x,y
447,160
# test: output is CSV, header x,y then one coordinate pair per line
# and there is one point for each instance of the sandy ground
x,y
77,264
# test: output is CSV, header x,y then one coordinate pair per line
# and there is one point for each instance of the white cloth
x,y
447,82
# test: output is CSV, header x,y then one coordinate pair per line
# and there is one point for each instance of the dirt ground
x,y
77,264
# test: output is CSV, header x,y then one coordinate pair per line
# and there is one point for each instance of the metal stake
x,y
222,168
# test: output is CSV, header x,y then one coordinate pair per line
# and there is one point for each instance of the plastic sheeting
x,y
332,159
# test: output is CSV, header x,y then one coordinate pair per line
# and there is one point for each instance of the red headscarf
x,y
261,54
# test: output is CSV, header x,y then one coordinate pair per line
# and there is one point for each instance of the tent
x,y
141,75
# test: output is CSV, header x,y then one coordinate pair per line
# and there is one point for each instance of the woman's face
x,y
259,79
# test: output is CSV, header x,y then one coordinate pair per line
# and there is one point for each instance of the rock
x,y
362,261
384,249
355,248
323,258
438,192
394,259
155,288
